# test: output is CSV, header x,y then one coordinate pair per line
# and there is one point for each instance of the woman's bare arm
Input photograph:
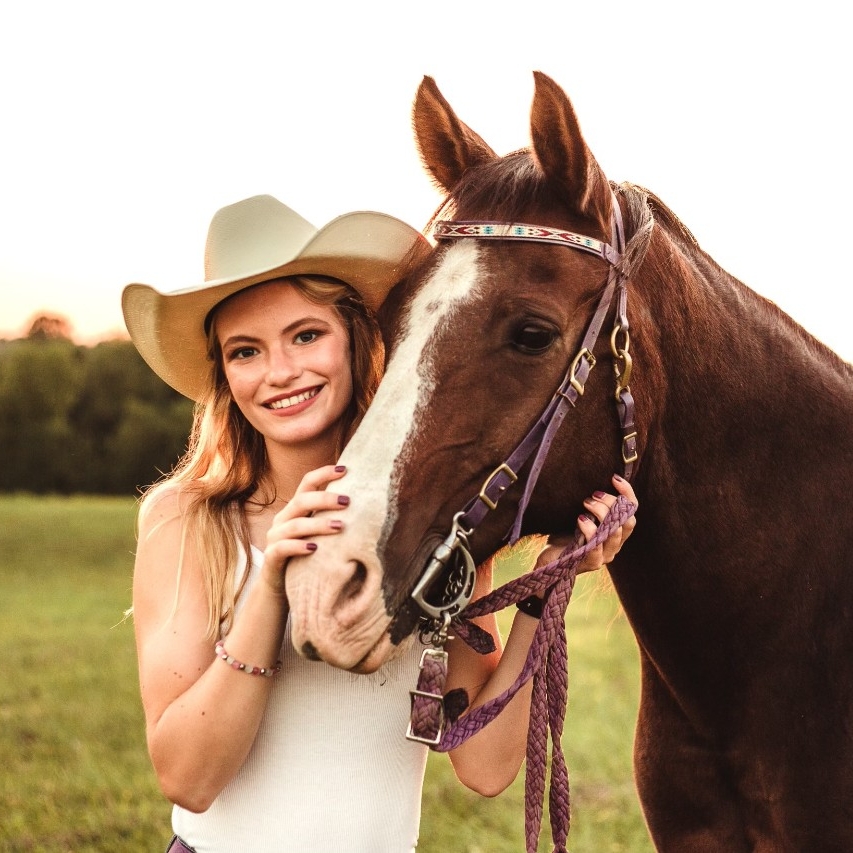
x,y
490,760
201,715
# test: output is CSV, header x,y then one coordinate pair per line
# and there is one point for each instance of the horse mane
x,y
681,235
507,186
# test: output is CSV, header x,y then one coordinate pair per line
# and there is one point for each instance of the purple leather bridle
x,y
540,437
547,655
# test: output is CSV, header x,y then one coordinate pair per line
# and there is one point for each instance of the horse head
x,y
478,340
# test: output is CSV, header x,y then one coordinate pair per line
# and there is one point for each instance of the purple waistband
x,y
178,846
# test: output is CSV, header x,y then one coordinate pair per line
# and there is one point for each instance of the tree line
x,y
84,419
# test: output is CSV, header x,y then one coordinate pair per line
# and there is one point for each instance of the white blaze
x,y
408,383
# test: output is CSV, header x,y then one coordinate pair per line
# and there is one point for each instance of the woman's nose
x,y
282,367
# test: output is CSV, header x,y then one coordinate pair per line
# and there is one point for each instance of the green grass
x,y
75,772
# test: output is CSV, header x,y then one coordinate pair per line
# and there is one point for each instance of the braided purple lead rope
x,y
547,664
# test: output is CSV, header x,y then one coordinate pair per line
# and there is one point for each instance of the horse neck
x,y
745,451
712,335
723,379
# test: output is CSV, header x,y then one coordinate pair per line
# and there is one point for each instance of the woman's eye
x,y
242,352
307,337
534,339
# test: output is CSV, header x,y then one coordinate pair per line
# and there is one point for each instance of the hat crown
x,y
258,233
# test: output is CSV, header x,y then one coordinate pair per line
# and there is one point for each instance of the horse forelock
x,y
501,189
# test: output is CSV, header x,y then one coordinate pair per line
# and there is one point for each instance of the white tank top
x,y
330,770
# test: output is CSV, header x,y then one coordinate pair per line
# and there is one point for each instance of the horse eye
x,y
534,340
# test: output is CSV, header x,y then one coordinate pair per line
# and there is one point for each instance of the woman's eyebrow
x,y
241,339
290,327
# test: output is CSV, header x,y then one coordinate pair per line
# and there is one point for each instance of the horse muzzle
x,y
337,608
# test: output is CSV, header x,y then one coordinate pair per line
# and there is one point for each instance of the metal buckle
x,y
626,459
435,697
573,380
503,467
618,329
429,741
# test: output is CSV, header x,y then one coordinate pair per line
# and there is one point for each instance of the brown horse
x,y
738,581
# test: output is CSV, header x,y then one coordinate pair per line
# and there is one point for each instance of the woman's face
x,y
287,362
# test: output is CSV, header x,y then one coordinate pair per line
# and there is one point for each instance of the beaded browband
x,y
484,230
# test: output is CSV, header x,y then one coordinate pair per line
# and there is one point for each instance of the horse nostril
x,y
354,585
309,651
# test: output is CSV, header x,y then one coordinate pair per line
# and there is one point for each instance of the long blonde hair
x,y
226,460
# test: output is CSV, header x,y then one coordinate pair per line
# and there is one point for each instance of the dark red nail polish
x,y
340,468
618,478
343,500
311,546
598,495
335,524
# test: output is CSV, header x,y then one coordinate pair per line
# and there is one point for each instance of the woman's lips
x,y
291,403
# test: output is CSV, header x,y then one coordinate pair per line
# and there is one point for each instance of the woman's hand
x,y
295,524
596,508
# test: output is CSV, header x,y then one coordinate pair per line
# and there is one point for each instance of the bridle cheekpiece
x,y
434,719
454,553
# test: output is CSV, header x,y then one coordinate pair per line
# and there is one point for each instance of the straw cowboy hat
x,y
256,240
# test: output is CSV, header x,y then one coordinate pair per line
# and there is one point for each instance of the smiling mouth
x,y
295,400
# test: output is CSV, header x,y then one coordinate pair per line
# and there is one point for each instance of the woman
x,y
258,749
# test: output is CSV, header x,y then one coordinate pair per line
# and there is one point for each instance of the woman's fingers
x,y
599,504
305,503
594,559
297,524
596,508
310,495
319,478
298,520
303,527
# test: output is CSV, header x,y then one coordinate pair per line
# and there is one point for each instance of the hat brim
x,y
367,250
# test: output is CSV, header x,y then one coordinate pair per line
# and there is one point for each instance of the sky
x,y
124,127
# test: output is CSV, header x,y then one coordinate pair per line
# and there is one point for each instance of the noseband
x,y
452,556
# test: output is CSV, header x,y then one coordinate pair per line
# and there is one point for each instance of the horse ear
x,y
447,145
562,154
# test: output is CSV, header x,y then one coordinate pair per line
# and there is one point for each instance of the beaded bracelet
x,y
532,606
267,672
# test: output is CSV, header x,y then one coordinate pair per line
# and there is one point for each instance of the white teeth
x,y
287,402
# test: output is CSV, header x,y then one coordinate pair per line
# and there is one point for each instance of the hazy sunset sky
x,y
126,126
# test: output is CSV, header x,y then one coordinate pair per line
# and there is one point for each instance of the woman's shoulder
x,y
167,501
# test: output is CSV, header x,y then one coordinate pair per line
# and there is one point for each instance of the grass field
x,y
75,774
